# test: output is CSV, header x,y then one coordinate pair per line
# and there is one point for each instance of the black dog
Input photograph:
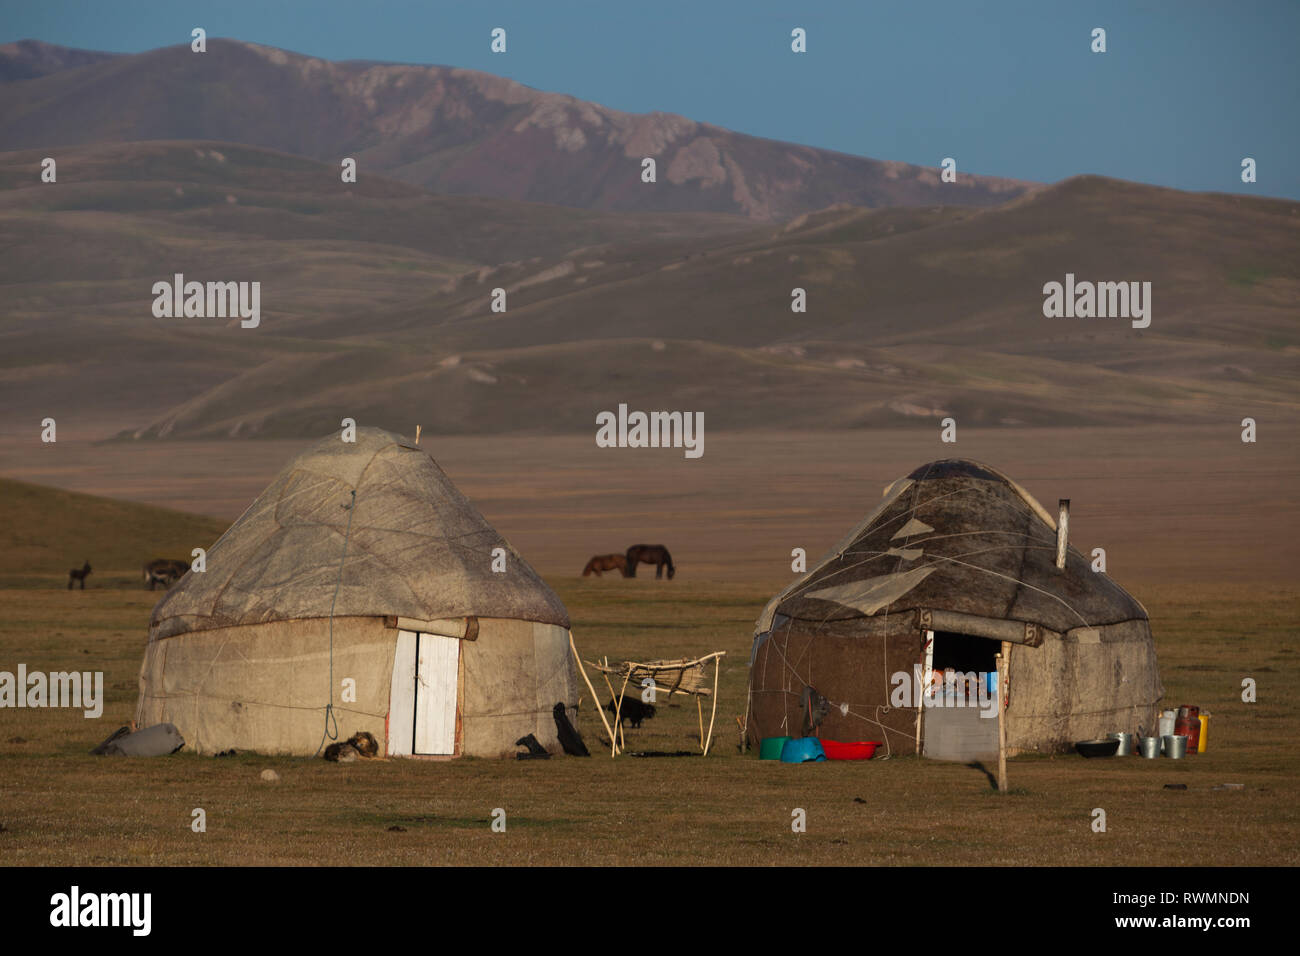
x,y
570,739
633,709
535,749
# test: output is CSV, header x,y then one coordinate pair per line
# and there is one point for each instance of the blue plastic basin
x,y
802,750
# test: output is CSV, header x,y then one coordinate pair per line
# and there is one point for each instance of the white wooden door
x,y
438,660
401,699
422,701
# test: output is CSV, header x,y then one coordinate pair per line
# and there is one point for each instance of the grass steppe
x,y
1227,614
62,806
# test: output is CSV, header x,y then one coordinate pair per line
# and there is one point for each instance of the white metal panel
x,y
960,733
401,697
435,694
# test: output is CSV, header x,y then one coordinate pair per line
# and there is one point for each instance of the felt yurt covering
x,y
955,546
247,654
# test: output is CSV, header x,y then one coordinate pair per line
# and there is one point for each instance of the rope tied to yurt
x,y
331,724
845,707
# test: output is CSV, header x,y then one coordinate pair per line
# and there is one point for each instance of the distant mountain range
x,y
375,296
451,131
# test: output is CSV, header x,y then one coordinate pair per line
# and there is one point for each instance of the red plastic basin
x,y
858,750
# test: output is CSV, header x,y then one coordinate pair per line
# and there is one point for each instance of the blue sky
x,y
1184,92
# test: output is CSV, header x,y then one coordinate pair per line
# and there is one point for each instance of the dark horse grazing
x,y
79,574
606,562
164,571
650,554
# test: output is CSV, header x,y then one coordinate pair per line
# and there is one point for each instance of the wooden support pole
x,y
717,666
1002,720
615,696
618,713
921,691
573,647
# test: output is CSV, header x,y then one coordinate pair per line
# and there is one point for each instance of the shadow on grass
x,y
435,821
992,779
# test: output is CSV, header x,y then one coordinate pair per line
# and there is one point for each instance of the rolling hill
x,y
28,59
376,305
47,530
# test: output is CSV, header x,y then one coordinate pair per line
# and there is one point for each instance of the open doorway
x,y
956,727
965,653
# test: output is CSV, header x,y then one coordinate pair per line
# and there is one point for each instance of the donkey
x,y
164,571
606,562
655,554
79,574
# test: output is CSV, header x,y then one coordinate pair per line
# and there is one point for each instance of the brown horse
x,y
79,574
655,554
164,571
606,562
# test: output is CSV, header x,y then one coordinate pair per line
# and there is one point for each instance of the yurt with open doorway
x,y
360,592
957,564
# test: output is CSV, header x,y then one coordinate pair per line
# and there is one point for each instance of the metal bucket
x,y
1149,747
1175,746
1125,744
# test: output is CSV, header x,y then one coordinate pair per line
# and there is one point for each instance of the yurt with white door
x,y
364,581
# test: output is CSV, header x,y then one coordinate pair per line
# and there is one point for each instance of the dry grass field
x,y
1204,539
63,806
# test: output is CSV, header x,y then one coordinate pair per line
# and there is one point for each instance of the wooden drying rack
x,y
684,676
